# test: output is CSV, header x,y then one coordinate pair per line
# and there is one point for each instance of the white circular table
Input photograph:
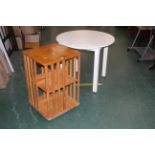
x,y
92,41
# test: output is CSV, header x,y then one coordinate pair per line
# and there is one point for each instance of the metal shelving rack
x,y
146,53
8,39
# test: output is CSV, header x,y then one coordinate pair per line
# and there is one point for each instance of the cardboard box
x,y
27,36
4,78
17,31
19,42
27,30
32,41
32,38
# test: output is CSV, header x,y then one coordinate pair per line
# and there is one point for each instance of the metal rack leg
x,y
152,66
129,48
146,49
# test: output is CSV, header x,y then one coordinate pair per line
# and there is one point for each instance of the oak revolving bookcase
x,y
52,76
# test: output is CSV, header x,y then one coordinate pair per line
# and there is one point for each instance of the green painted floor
x,y
126,100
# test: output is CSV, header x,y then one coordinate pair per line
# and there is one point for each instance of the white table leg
x,y
96,69
104,61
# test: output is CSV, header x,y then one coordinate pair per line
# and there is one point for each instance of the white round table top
x,y
85,39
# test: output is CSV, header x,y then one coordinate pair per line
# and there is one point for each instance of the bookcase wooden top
x,y
51,53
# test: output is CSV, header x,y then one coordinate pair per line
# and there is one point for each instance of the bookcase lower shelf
x,y
58,104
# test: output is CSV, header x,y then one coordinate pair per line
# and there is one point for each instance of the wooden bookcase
x,y
53,76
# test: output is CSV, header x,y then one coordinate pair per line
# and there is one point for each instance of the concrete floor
x,y
126,100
